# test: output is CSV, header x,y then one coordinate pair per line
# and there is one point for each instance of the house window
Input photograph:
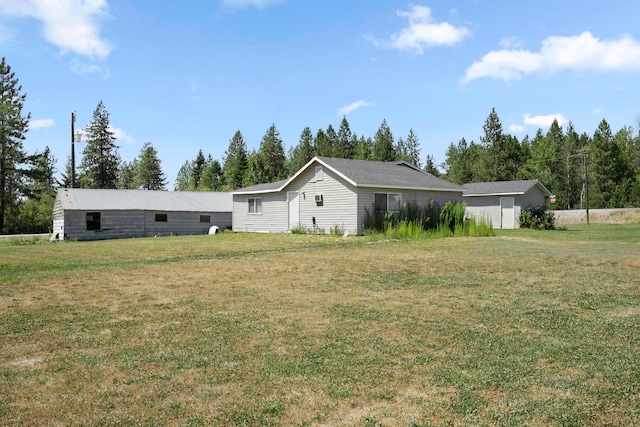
x,y
93,221
319,173
205,218
255,205
388,202
161,217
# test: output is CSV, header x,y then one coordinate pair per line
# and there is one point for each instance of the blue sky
x,y
186,75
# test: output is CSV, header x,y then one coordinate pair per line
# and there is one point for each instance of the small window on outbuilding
x,y
205,218
93,221
161,217
319,173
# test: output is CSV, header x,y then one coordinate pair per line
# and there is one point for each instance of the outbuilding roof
x,y
165,201
502,188
367,173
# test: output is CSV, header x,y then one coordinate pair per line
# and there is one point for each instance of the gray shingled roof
x,y
502,187
167,201
366,173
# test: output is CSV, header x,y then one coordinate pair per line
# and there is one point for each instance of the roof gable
x,y
502,188
367,173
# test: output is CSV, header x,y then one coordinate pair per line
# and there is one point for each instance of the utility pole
x,y
73,150
586,182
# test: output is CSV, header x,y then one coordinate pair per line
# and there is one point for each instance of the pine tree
x,y
344,147
301,153
607,168
212,176
34,214
272,153
13,127
409,149
235,162
100,161
148,171
383,144
183,178
363,148
256,169
430,166
127,175
492,142
197,169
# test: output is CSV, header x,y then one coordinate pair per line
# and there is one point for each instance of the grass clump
x,y
431,221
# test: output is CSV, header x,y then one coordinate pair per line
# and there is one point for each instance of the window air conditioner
x,y
318,198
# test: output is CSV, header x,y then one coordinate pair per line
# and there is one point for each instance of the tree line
x,y
561,159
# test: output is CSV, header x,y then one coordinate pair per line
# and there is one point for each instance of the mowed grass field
x,y
525,328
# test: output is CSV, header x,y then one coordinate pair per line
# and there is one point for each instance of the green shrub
x,y
537,218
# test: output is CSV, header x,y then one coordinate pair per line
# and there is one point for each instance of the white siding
x,y
58,220
274,216
338,207
489,207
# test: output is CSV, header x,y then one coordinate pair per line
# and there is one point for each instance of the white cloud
x,y
243,4
544,121
582,52
352,107
516,128
72,25
422,32
80,68
597,111
511,42
122,135
41,123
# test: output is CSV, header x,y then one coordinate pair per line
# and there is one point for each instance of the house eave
x,y
401,187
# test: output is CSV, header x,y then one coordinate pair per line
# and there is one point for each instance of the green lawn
x,y
525,328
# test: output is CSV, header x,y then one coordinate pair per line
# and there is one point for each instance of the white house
x,y
329,193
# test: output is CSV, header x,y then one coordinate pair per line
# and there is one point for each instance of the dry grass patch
x,y
318,330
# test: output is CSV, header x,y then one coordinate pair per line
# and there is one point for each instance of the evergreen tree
x,y
383,144
183,179
459,162
364,148
430,166
41,180
570,174
235,162
148,171
35,213
344,147
197,169
490,143
323,143
256,169
409,149
65,177
212,176
127,175
13,127
272,154
100,161
607,168
301,153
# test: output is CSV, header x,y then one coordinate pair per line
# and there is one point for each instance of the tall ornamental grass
x,y
431,221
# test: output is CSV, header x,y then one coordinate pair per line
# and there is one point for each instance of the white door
x,y
294,210
507,212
